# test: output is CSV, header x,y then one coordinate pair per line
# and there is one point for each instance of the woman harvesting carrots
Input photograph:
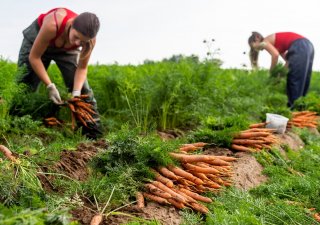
x,y
298,53
59,35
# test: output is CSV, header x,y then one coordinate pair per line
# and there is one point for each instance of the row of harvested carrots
x,y
304,119
182,186
256,138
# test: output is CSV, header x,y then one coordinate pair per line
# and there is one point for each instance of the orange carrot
x,y
241,148
167,173
180,172
247,135
140,199
163,179
192,158
257,125
7,153
195,195
157,191
155,198
246,141
219,162
169,190
97,219
199,144
199,169
316,216
226,158
199,208
176,204
188,148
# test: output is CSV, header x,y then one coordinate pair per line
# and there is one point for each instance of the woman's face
x,y
76,38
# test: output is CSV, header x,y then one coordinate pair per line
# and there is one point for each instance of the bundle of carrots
x,y
256,138
182,186
304,119
81,110
52,121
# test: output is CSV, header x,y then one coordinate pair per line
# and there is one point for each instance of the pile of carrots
x,y
182,186
52,121
256,138
304,119
81,110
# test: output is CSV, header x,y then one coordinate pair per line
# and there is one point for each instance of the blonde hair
x,y
254,54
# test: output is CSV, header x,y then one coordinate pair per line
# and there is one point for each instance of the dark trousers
x,y
300,57
67,62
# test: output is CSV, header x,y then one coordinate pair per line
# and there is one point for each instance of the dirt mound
x,y
74,163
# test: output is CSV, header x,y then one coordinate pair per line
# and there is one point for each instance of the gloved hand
x,y
76,93
54,94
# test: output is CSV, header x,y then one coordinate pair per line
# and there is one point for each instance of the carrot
x,y
163,179
199,144
226,158
202,176
247,135
192,158
140,200
195,195
246,141
167,173
316,216
257,125
175,203
199,208
212,184
219,162
169,190
199,169
188,148
157,191
241,148
97,219
155,198
180,172
7,153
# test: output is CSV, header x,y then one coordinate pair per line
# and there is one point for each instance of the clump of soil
x,y
247,170
72,163
292,140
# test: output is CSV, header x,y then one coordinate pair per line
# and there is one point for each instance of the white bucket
x,y
276,121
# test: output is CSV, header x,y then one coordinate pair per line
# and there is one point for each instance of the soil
x,y
72,163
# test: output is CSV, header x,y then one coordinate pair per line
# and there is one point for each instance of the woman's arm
x,y
47,32
81,72
274,54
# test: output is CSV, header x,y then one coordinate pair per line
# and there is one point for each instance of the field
x,y
149,113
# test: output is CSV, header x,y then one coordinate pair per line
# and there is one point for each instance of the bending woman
x,y
59,35
298,53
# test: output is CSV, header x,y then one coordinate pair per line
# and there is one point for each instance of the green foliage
x,y
278,73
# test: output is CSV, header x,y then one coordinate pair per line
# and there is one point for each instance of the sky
x,y
136,30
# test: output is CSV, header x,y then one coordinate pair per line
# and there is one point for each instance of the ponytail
x,y
254,54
